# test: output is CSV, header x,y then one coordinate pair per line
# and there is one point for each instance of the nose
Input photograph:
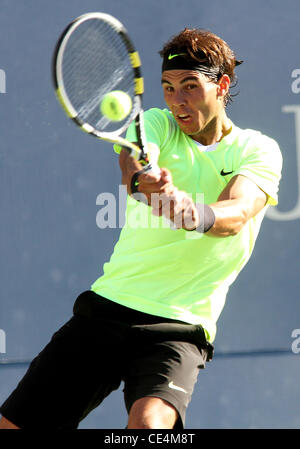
x,y
178,99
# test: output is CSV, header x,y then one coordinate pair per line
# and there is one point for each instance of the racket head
x,y
94,56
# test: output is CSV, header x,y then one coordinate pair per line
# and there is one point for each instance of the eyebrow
x,y
188,78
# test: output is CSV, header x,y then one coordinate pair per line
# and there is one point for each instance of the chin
x,y
188,129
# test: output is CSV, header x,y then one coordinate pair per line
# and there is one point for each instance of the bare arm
x,y
240,200
129,167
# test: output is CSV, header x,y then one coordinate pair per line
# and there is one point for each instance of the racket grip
x,y
149,168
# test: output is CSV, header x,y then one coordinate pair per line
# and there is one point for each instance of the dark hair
x,y
207,48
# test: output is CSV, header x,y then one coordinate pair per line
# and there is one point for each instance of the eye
x,y
191,86
168,88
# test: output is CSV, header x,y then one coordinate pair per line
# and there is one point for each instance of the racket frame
x,y
139,151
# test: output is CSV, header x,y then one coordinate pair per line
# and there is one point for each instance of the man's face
x,y
193,99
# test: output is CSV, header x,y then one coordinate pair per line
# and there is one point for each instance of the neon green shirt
x,y
175,273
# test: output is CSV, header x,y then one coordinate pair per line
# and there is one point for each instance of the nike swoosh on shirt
x,y
175,387
225,173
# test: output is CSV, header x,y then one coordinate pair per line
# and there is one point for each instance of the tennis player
x,y
150,319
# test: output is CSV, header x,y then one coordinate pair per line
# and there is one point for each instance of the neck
x,y
214,131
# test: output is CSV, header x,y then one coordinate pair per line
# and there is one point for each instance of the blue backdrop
x,y
51,174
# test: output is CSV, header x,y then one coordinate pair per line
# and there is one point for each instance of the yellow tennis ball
x,y
116,105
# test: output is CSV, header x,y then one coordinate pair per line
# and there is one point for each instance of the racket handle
x,y
149,168
148,160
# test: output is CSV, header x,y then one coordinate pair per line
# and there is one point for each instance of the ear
x,y
223,86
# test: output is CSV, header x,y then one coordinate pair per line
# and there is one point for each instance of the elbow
x,y
224,232
238,226
236,230
229,232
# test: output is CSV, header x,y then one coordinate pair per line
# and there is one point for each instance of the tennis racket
x,y
94,56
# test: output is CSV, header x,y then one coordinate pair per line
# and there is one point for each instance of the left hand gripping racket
x,y
93,57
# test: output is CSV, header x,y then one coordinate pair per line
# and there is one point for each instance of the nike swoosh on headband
x,y
174,56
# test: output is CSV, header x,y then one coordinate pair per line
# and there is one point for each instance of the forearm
x,y
241,200
129,167
230,217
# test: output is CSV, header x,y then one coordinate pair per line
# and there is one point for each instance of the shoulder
x,y
161,123
253,141
254,138
158,115
260,160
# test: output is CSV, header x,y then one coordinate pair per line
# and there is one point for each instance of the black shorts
x,y
102,345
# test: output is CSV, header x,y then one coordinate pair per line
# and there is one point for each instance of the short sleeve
x,y
156,128
262,163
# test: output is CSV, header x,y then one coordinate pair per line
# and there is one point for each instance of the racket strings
x,y
96,61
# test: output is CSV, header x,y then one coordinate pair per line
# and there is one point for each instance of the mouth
x,y
184,118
